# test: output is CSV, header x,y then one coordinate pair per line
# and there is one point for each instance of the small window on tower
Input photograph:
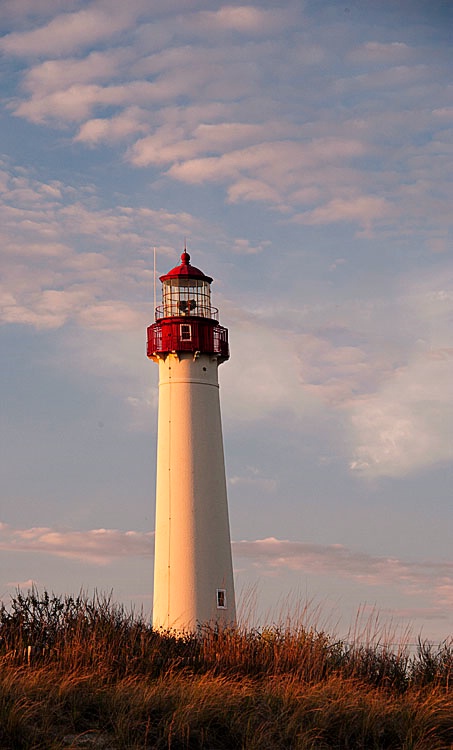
x,y
186,332
221,599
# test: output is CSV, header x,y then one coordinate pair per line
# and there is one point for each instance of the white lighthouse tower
x,y
193,574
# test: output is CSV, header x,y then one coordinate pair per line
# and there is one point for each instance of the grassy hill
x,y
79,672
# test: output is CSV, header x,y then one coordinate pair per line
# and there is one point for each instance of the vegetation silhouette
x,y
80,671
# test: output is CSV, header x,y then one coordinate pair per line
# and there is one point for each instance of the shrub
x,y
84,672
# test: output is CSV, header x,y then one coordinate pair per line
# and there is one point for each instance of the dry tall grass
x,y
79,672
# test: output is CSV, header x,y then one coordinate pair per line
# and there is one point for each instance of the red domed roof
x,y
186,271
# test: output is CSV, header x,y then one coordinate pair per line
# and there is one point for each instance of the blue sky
x,y
304,150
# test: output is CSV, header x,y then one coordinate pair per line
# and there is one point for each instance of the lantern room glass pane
x,y
181,297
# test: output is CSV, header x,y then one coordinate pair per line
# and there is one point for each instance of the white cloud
x,y
314,165
252,384
114,355
97,546
244,247
405,425
254,478
338,374
387,53
428,578
364,210
245,19
253,119
112,129
382,369
248,189
166,145
111,315
301,374
34,249
392,407
68,32
55,75
393,78
21,10
282,553
49,279
277,162
76,103
24,10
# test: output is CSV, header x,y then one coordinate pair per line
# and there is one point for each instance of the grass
x,y
79,672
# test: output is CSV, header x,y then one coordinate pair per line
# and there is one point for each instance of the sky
x,y
303,151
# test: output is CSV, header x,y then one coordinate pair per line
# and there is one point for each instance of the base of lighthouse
x,y
193,575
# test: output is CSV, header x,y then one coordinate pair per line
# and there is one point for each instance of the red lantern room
x,y
186,322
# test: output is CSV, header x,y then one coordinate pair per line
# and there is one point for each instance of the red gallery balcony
x,y
188,333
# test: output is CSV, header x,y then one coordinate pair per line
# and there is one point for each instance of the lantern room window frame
x,y
183,297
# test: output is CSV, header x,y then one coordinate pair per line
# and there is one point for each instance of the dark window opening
x,y
186,332
221,599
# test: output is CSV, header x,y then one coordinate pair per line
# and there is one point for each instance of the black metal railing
x,y
184,309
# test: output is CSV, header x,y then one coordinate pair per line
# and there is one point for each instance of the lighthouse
x,y
193,573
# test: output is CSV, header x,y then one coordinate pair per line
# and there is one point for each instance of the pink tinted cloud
x,y
111,316
358,209
427,577
98,546
55,75
103,545
76,102
46,282
431,580
69,32
280,164
245,19
405,425
113,129
387,53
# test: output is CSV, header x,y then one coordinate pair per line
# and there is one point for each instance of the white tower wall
x,y
193,550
